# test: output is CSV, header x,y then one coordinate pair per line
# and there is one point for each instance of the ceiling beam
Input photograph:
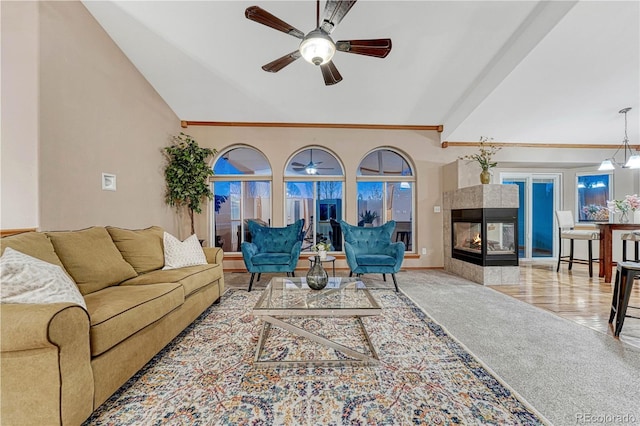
x,y
437,127
542,19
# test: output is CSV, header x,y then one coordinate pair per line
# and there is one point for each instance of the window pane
x,y
370,197
251,198
299,205
593,193
384,162
314,162
226,214
329,212
399,203
242,161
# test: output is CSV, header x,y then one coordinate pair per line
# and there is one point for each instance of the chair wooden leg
x,y
570,254
350,274
626,284
559,250
624,250
259,275
590,259
384,277
394,281
614,300
293,273
253,274
637,252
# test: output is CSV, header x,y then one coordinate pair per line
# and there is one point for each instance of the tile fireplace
x,y
485,237
480,233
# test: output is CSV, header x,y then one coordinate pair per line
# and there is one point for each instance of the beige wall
x,y
350,145
97,114
19,156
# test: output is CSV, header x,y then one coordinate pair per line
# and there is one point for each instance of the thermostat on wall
x,y
108,182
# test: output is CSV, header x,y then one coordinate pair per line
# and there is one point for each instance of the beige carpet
x,y
568,372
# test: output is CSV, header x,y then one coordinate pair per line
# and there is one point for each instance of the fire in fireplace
x,y
486,237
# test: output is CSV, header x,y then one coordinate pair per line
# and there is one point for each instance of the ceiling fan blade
x,y
261,16
378,48
334,12
281,62
296,164
330,73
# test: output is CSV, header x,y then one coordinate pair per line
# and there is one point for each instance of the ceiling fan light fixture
x,y
311,170
317,47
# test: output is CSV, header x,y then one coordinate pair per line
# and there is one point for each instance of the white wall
x,y
19,117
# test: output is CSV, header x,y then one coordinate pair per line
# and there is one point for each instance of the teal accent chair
x,y
370,250
272,249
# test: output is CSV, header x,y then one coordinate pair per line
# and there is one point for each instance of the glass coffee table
x,y
287,298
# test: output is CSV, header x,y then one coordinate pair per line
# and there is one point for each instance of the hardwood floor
x,y
575,296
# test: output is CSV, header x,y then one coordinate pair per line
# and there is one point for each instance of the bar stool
x,y
626,273
566,232
631,236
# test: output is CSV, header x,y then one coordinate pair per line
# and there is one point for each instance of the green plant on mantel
x,y
187,175
485,156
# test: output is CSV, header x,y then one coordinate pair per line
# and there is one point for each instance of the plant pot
x,y
485,177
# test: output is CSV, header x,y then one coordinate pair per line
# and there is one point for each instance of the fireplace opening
x,y
486,237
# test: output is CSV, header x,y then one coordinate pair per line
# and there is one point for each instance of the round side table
x,y
331,259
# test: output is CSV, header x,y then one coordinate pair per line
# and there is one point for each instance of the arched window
x,y
386,192
314,186
242,191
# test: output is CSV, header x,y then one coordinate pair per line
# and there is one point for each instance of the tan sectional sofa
x,y
60,362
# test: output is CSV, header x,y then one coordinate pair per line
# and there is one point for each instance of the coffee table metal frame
x,y
274,308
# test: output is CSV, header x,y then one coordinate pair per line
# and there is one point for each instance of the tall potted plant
x,y
187,175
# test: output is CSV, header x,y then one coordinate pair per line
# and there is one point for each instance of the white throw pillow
x,y
25,279
178,254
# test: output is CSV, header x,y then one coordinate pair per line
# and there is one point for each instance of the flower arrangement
x,y
630,202
321,247
595,212
485,156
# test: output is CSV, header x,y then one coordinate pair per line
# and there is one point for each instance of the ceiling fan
x,y
317,47
310,168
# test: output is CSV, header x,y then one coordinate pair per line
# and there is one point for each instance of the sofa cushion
x,y
34,244
91,258
119,312
26,279
178,254
141,248
192,278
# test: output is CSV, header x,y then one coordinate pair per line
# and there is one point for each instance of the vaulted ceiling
x,y
517,71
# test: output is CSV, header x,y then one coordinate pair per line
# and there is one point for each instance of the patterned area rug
x,y
206,376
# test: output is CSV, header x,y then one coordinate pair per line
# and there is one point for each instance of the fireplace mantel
x,y
479,197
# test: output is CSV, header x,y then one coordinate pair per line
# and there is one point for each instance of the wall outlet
x,y
108,182
424,250
436,209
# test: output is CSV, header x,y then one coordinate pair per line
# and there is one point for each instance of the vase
x,y
317,277
624,217
636,216
485,177
322,254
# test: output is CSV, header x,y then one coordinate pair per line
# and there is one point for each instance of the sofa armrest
x,y
214,254
46,364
